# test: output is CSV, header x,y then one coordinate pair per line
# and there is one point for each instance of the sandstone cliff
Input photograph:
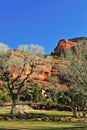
x,y
44,67
62,44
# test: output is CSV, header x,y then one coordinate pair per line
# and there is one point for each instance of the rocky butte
x,y
62,44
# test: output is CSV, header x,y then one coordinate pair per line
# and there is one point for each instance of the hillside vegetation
x,y
56,81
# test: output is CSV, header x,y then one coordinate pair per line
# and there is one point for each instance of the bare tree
x,y
75,74
23,47
3,47
33,49
36,49
15,69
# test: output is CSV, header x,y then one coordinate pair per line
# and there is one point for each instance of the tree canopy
x,y
75,73
33,49
16,68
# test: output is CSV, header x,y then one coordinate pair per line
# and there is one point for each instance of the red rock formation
x,y
63,44
54,72
43,67
1,83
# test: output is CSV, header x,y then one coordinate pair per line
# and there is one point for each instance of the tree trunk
x,y
84,113
74,111
79,111
13,109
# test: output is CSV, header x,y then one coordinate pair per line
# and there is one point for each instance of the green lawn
x,y
37,125
42,125
41,113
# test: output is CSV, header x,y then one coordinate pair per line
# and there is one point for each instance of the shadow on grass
x,y
75,128
9,129
71,128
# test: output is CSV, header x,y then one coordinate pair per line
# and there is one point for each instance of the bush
x,y
29,96
1,96
7,98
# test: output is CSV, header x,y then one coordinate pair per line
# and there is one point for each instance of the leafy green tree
x,y
64,100
37,95
53,95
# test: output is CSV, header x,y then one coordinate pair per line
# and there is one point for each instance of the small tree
x,y
33,49
24,48
36,49
3,47
37,95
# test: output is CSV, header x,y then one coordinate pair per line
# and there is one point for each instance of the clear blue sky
x,y
42,22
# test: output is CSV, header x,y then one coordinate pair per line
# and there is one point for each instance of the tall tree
x,y
15,69
75,74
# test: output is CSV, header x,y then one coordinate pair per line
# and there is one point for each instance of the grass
x,y
53,113
4,110
35,125
42,125
41,113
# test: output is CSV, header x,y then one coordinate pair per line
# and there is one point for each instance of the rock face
x,y
62,44
45,65
42,71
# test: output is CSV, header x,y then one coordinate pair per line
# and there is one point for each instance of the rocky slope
x,y
43,70
44,67
62,44
46,63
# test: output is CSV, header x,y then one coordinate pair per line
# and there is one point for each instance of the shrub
x,y
7,98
